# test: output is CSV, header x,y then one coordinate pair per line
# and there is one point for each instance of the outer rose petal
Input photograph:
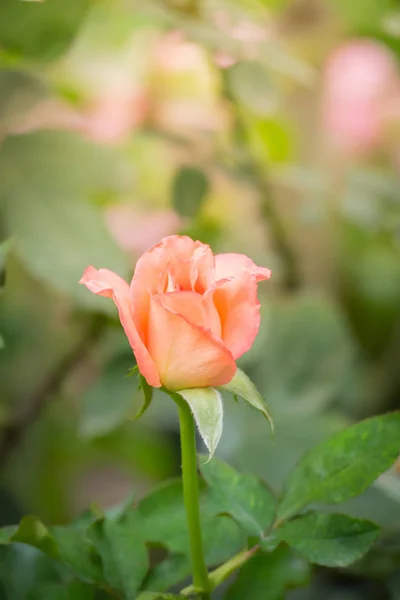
x,y
186,355
239,310
109,284
234,265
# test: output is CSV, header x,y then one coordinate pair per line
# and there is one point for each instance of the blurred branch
x,y
14,431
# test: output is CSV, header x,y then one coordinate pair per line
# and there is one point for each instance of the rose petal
x,y
233,265
239,310
187,356
177,262
196,309
109,284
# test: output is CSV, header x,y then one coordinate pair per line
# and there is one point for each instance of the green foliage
x,y
268,576
40,31
123,553
189,191
37,173
242,386
244,497
109,401
207,408
148,396
252,85
344,466
331,540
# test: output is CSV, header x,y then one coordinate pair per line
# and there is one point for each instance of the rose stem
x,y
191,496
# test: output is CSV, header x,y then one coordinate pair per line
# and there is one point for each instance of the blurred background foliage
x,y
268,127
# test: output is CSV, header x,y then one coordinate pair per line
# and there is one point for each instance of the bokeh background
x,y
268,127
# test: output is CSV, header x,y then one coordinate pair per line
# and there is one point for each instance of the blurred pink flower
x,y
360,84
135,230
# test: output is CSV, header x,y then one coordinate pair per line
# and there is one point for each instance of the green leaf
x,y
268,576
40,31
344,466
242,386
55,591
244,497
163,522
157,596
172,570
252,85
207,408
78,553
331,540
189,190
58,174
123,553
148,396
33,532
109,401
4,250
364,14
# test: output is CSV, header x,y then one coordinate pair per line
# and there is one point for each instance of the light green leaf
x,y
123,553
109,401
363,14
344,466
58,174
148,396
207,408
33,532
331,540
268,576
242,386
189,190
244,497
40,31
252,85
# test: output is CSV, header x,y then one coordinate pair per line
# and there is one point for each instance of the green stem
x,y
222,573
191,496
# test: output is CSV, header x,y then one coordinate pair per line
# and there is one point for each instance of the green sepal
x,y
241,385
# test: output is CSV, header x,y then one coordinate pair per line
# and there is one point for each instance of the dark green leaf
x,y
189,190
77,552
148,396
109,401
244,497
267,576
157,596
164,523
174,569
40,31
344,466
331,540
54,591
123,553
4,249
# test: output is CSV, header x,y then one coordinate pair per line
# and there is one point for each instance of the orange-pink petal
x,y
234,265
186,355
239,310
109,284
196,309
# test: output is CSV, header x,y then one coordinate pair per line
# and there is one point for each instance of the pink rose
x,y
188,314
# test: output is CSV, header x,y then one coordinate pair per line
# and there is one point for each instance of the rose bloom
x,y
188,314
